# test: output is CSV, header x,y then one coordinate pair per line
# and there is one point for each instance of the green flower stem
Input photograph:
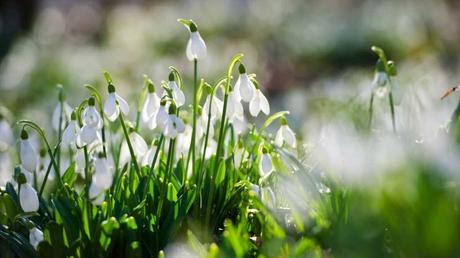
x,y
155,157
48,170
195,104
371,111
130,146
392,108
166,177
60,133
87,186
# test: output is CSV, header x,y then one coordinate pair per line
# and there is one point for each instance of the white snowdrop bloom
x,y
238,154
265,164
216,107
239,124
96,194
201,126
102,176
173,127
162,115
259,103
88,135
90,115
28,155
6,167
178,95
244,85
35,237
234,106
211,148
70,136
114,103
139,145
183,141
6,135
196,48
285,135
80,162
28,198
149,156
150,107
66,111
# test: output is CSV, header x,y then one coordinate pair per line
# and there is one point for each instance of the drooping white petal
x,y
102,177
264,106
265,165
259,103
70,135
66,111
279,138
88,135
123,105
169,130
150,108
139,145
80,162
162,116
28,155
97,194
28,198
239,124
6,135
111,109
91,117
196,47
289,136
125,156
148,157
254,106
180,127
35,237
246,87
216,107
178,95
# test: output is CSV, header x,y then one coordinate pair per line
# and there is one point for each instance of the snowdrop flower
x,y
70,136
80,163
196,48
265,163
28,155
150,108
234,106
259,103
6,134
66,112
211,148
238,154
216,107
173,126
183,141
150,155
244,86
113,104
92,122
177,93
285,134
96,194
28,197
35,237
239,124
162,115
202,123
139,145
102,177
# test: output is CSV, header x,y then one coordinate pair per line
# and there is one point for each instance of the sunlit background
x,y
311,57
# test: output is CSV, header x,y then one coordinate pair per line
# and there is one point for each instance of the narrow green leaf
x,y
220,173
272,118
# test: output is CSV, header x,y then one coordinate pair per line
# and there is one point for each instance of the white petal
x,y
148,157
289,136
180,127
88,135
265,165
139,145
264,106
111,109
162,116
6,135
178,95
150,108
35,237
91,117
28,156
122,104
28,198
102,177
254,106
125,156
55,117
169,130
279,137
188,51
198,46
97,194
246,87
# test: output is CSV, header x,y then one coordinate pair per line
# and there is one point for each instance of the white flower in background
x,y
35,237
255,189
178,95
70,136
114,103
140,148
162,115
66,111
6,135
173,126
196,48
259,103
150,155
238,154
6,167
211,148
216,107
239,124
183,142
265,163
285,135
80,162
150,107
201,126
92,122
96,194
28,198
28,155
103,176
244,86
234,106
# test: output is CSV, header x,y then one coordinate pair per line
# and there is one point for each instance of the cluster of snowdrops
x,y
163,129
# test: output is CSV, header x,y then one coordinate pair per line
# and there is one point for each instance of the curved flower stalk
x,y
92,123
113,104
285,134
28,155
35,237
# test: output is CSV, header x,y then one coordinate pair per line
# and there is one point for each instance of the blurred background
x,y
301,50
